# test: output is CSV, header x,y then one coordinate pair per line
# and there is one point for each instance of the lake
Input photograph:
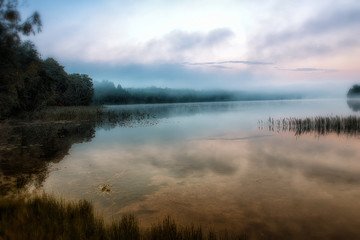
x,y
214,164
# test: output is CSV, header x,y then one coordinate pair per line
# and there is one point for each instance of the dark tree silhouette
x,y
11,26
16,58
80,90
54,73
354,91
26,81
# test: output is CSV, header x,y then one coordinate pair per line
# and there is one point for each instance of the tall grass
x,y
45,217
349,125
96,114
99,115
72,113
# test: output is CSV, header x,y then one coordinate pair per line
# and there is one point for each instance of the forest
x,y
28,82
107,93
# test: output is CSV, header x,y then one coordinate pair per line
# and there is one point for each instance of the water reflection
x,y
270,192
202,163
179,109
354,104
27,149
320,160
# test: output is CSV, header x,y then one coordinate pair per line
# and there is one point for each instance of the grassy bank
x,y
44,217
96,114
72,113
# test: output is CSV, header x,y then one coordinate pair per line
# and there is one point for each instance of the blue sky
x,y
243,44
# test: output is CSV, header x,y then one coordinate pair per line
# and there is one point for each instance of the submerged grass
x,y
349,125
99,115
72,113
45,217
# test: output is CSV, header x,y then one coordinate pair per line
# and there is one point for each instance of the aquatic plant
x,y
349,125
105,188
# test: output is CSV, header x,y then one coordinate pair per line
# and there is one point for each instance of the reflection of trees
x,y
354,104
27,150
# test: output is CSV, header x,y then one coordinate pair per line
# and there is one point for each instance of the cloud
x,y
179,45
228,62
340,19
313,70
163,75
247,62
173,47
180,40
308,69
335,21
329,32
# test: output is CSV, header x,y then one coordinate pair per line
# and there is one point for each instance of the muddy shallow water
x,y
207,163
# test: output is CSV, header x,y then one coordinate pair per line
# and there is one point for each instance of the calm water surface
x,y
208,163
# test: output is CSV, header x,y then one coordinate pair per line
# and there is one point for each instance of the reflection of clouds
x,y
80,177
324,160
193,158
179,159
137,172
264,186
183,167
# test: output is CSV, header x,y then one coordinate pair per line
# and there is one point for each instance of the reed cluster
x,y
349,125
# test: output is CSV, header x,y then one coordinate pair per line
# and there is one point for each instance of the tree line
x,y
107,93
28,82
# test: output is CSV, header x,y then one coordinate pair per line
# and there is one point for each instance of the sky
x,y
205,44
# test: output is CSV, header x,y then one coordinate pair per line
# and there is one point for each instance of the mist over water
x,y
211,164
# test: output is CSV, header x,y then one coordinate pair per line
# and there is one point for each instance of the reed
x,y
45,217
349,125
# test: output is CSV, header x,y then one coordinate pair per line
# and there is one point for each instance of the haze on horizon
x,y
245,45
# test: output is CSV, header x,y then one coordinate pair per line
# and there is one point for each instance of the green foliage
x,y
11,26
15,57
354,91
27,82
80,90
52,72
35,91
